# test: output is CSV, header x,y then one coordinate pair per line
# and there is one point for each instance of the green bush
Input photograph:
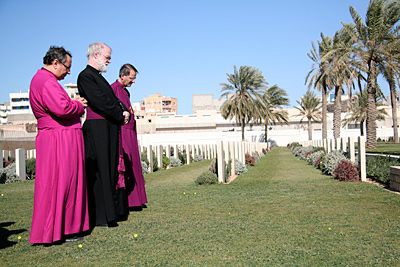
x,y
31,168
183,157
207,178
378,168
145,167
240,168
8,174
165,162
175,162
332,160
198,158
214,168
255,156
318,148
144,158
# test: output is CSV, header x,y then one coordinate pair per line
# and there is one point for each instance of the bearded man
x,y
104,117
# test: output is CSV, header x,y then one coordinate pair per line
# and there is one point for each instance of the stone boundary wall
x,y
395,178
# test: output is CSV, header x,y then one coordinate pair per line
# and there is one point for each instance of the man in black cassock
x,y
104,117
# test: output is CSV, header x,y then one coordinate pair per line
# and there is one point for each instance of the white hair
x,y
96,48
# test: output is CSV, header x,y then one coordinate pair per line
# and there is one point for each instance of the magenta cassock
x,y
60,200
134,181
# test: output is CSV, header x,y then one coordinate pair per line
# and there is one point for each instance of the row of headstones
x,y
235,150
224,150
20,156
346,145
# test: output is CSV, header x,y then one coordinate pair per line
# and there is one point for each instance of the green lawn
x,y
386,148
282,212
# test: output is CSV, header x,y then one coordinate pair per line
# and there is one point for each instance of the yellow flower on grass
x,y
184,193
329,228
135,235
195,193
19,237
2,195
229,212
80,246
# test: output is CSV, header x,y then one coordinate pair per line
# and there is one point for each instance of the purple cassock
x,y
134,181
60,201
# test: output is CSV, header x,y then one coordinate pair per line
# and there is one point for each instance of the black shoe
x,y
112,224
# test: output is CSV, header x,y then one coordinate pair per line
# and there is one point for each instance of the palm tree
x,y
374,39
244,91
358,107
388,69
340,70
320,80
310,108
274,98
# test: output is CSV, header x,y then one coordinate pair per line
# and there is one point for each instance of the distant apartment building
x,y
157,104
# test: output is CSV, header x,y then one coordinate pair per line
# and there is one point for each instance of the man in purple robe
x,y
134,181
104,117
60,201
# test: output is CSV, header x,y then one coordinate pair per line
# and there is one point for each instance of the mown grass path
x,y
282,212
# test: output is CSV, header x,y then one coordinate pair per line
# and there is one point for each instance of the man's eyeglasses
x,y
107,57
68,68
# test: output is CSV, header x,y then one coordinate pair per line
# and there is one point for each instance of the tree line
x,y
352,59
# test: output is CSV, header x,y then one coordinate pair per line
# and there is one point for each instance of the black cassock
x,y
101,136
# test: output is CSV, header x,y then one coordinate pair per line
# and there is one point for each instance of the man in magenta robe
x,y
134,181
60,201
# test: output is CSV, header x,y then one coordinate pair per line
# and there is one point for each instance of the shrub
x,y
314,156
144,158
331,161
207,177
297,150
30,168
262,154
240,168
165,162
145,167
198,158
294,145
182,156
255,156
214,168
305,151
318,148
346,171
175,162
264,150
378,168
249,160
8,174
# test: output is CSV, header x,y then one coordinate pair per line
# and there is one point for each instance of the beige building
x,y
158,103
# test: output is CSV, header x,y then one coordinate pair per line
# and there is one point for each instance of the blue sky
x,y
180,47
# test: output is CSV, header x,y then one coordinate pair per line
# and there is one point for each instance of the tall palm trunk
x,y
266,130
394,108
309,129
324,113
371,105
337,118
361,128
242,126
